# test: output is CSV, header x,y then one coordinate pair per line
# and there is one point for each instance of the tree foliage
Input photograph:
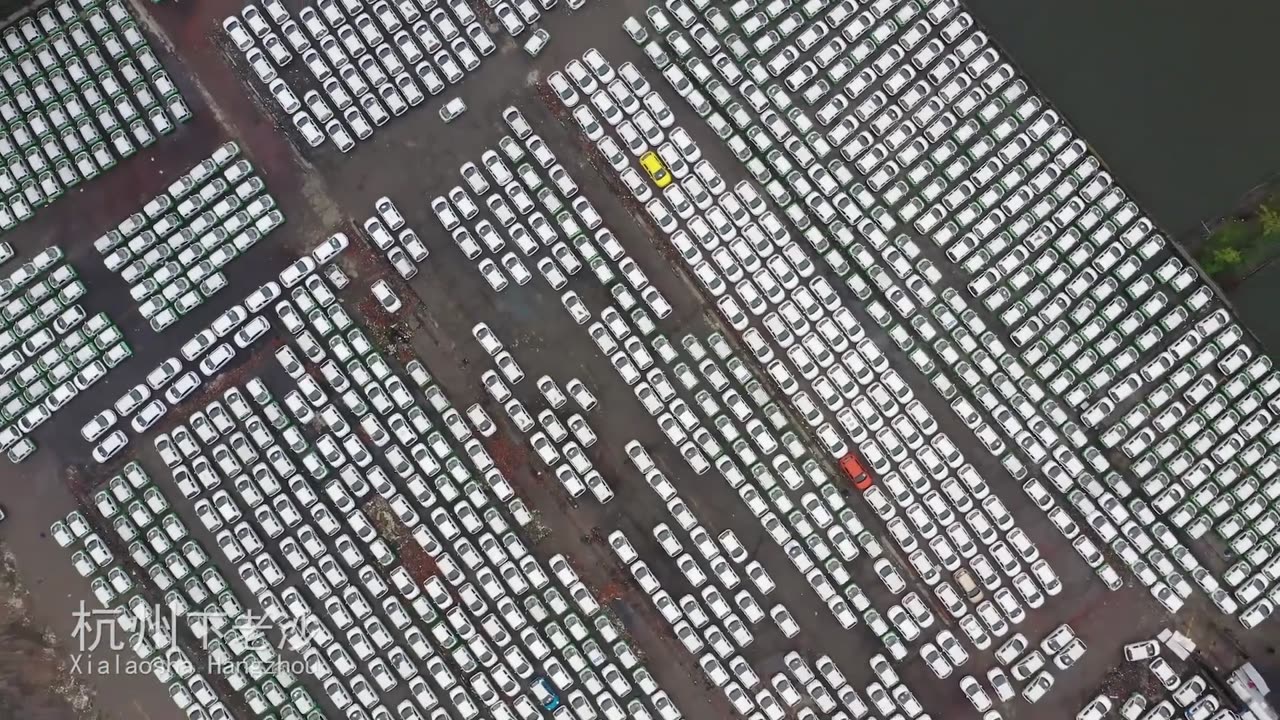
x,y
1237,246
1270,220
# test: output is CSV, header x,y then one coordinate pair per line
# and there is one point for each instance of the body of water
x,y
1178,97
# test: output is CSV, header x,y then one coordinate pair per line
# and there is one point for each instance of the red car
x,y
860,478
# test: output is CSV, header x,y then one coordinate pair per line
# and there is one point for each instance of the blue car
x,y
545,693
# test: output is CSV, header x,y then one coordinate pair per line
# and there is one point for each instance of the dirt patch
x,y
35,675
391,332
419,564
507,456
610,592
1127,678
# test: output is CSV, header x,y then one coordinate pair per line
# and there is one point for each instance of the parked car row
x,y
1120,275
520,222
160,544
887,693
388,232
147,404
724,666
1203,443
873,222
614,333
560,444
236,328
75,99
517,15
608,345
173,251
449,215
400,430
1167,297
699,630
1027,665
50,349
372,62
967,496
915,423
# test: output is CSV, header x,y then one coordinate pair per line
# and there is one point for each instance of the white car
x,y
251,331
782,618
587,122
259,298
452,109
110,446
1098,708
1141,650
383,293
97,425
1037,686
389,213
198,343
890,576
552,273
487,339
936,663
239,36
1012,649
1000,683
328,249
1069,654
216,359
580,394
492,274
1057,639
148,415
1164,672
296,271
557,399
535,44
1047,578
132,400
306,126
182,387
976,694
162,374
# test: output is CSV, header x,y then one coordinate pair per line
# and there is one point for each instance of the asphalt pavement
x,y
413,159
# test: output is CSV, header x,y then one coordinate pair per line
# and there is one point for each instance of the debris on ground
x,y
35,675
417,561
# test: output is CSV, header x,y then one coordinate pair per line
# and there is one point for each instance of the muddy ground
x,y
35,673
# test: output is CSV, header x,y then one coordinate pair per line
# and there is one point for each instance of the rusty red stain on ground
x,y
510,457
610,592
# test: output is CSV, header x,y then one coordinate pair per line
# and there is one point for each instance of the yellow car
x,y
657,171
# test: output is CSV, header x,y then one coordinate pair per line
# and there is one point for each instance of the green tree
x,y
1223,260
1270,222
